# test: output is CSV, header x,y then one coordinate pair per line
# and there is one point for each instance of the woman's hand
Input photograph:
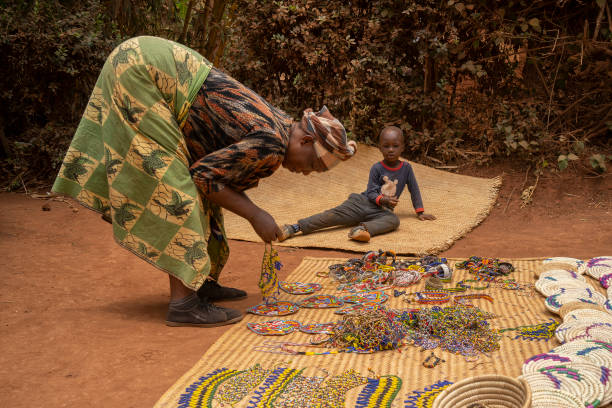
x,y
424,217
239,203
265,226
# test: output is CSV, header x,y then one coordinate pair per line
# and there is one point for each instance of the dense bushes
x,y
469,81
52,53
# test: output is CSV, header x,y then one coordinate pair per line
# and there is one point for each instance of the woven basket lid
x,y
549,287
586,349
560,262
557,274
582,329
581,383
576,306
554,302
547,398
597,266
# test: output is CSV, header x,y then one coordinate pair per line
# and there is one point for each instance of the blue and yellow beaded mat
x,y
399,379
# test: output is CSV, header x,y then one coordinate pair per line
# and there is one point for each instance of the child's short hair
x,y
391,129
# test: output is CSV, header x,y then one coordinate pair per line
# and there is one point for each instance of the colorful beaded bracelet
x,y
463,285
457,298
432,297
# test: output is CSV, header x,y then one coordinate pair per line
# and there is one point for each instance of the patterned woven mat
x,y
459,202
235,349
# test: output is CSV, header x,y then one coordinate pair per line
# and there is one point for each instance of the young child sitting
x,y
371,212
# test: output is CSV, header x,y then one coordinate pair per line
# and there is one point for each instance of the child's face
x,y
391,145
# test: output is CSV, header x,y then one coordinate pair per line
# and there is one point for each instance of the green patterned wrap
x,y
128,160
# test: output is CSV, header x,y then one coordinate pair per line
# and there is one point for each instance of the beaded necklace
x,y
425,398
459,298
268,279
379,392
333,392
299,392
201,392
239,386
273,386
464,285
541,331
430,297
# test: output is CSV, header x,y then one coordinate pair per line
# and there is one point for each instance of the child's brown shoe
x,y
287,232
360,234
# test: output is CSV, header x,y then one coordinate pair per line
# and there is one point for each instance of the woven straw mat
x,y
234,350
459,202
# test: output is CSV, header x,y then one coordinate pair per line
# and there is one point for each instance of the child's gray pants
x,y
357,209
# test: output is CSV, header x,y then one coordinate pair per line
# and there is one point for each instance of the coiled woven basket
x,y
485,391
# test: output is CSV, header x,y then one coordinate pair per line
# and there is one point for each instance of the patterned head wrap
x,y
330,142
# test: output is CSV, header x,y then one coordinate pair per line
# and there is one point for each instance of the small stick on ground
x,y
23,184
509,198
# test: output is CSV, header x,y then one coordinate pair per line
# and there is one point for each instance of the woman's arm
x,y
239,203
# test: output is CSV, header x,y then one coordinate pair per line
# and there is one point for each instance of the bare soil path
x,y
82,320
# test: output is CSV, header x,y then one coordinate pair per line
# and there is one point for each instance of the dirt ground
x,y
82,320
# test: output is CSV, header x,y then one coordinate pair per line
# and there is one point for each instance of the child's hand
x,y
423,217
388,201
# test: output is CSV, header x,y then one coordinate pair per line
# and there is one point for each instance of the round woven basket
x,y
549,287
588,315
494,390
557,274
571,306
563,263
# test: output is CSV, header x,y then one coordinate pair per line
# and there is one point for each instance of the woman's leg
x,y
177,289
187,309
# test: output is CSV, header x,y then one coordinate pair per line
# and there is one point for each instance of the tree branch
x,y
187,20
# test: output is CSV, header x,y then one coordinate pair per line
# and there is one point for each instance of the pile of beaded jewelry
x,y
371,272
381,270
367,331
458,329
486,266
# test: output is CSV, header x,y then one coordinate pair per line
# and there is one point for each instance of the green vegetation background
x,y
469,81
